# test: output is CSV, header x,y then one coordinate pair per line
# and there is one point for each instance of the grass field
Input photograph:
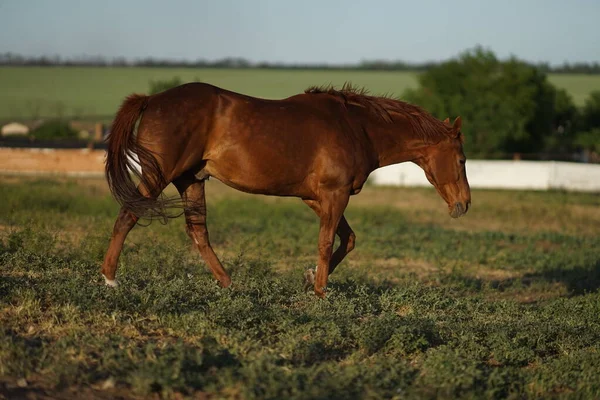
x,y
52,91
502,303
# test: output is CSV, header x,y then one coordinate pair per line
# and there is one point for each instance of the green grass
x,y
28,92
502,303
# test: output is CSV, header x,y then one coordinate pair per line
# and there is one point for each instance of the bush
x,y
588,124
590,114
162,85
589,140
54,129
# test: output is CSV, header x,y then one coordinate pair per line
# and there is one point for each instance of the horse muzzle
x,y
459,209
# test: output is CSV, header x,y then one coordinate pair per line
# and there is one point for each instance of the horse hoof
x,y
309,278
225,283
111,282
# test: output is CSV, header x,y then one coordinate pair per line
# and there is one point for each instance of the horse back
x,y
284,147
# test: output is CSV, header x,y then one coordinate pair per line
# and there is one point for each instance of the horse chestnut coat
x,y
319,146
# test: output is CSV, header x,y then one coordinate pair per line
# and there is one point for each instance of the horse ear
x,y
447,121
457,124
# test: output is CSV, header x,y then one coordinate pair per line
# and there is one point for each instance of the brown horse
x,y
319,146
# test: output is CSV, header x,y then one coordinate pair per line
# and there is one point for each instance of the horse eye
x,y
463,161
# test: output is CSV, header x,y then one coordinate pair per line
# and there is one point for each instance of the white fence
x,y
536,175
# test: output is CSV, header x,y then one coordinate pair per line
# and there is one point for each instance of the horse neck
x,y
395,142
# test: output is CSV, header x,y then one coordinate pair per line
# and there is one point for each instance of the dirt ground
x,y
78,162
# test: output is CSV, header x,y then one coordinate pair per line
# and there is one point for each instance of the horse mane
x,y
428,127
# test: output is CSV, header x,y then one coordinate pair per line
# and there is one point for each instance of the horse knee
x,y
325,247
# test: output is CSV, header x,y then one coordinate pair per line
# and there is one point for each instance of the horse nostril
x,y
459,208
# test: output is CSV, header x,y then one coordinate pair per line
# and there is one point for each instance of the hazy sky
x,y
306,31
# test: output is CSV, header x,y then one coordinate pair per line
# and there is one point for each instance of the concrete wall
x,y
533,175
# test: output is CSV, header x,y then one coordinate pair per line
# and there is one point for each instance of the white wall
x,y
536,175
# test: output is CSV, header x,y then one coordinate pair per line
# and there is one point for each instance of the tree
x,y
55,129
588,135
508,106
564,126
590,114
162,85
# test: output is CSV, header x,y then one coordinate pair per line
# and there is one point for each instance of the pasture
x,y
502,303
31,92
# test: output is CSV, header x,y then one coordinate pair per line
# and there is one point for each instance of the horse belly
x,y
262,173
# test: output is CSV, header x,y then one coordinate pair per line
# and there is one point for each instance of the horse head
x,y
444,164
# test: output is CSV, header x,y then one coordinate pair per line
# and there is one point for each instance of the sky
x,y
303,31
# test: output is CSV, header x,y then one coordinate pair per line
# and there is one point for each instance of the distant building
x,y
14,128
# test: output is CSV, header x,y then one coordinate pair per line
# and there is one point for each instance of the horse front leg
x,y
332,206
347,244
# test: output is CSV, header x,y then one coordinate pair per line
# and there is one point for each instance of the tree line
x,y
14,59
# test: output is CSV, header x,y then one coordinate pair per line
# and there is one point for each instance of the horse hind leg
x,y
126,220
192,193
124,223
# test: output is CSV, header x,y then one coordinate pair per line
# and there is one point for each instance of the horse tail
x,y
122,146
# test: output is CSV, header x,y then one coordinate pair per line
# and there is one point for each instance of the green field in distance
x,y
29,92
